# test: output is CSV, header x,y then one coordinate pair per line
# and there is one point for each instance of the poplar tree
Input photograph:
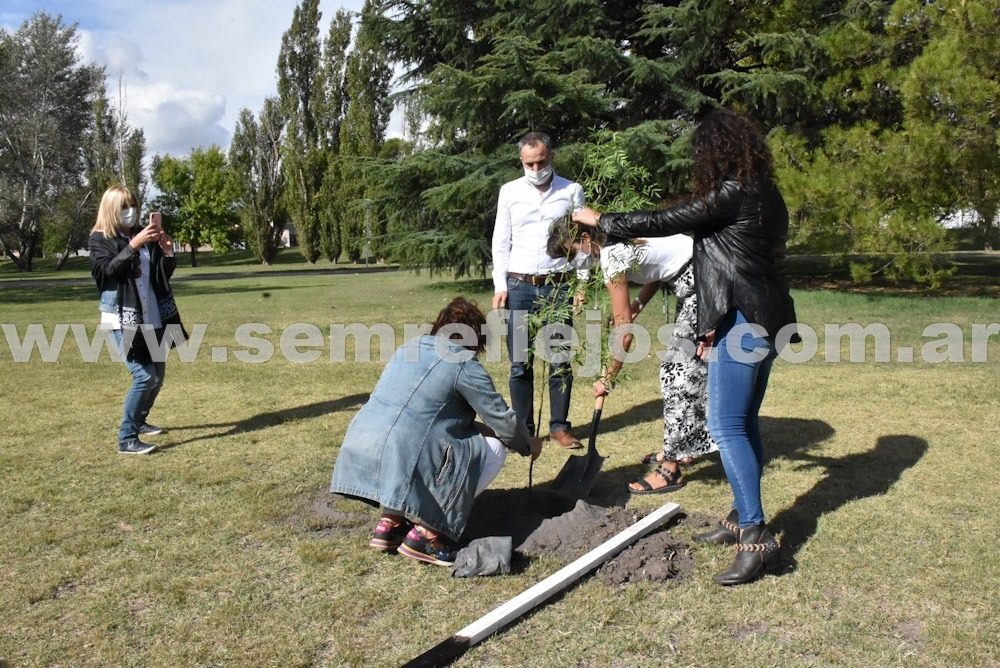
x,y
333,76
255,158
300,91
367,82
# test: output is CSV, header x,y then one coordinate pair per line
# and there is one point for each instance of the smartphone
x,y
156,219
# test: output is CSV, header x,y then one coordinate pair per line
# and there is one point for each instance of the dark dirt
x,y
542,522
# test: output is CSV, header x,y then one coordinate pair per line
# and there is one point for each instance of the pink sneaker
x,y
389,532
437,550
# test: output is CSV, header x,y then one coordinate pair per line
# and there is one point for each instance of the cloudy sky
x,y
189,66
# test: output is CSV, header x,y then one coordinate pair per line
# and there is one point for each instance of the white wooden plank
x,y
528,599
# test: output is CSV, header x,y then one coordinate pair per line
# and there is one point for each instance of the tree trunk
x,y
987,214
27,258
61,262
194,257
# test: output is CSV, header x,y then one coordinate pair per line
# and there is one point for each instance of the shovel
x,y
579,472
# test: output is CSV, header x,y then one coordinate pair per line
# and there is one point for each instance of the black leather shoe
x,y
756,552
724,534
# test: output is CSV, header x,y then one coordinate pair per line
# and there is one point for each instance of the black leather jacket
x,y
111,265
739,251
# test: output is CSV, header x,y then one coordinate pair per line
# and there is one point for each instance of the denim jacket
x,y
109,301
414,446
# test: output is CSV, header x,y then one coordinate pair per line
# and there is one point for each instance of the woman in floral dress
x,y
652,263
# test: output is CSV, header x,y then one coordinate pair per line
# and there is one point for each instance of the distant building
x,y
289,236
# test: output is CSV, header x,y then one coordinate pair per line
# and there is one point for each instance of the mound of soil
x,y
541,522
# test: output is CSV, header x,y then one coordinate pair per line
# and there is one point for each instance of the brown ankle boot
x,y
724,534
756,551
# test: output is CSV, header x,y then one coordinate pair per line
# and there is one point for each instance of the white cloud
x,y
188,66
180,120
120,55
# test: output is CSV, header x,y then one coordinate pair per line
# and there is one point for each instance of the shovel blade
x,y
577,476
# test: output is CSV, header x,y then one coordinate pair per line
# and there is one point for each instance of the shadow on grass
x,y
514,512
53,291
851,477
856,476
518,512
42,292
194,289
638,414
467,286
273,419
784,438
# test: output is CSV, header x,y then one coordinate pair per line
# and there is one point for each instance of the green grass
x,y
207,262
881,483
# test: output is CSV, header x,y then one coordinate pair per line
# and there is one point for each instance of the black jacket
x,y
739,251
111,265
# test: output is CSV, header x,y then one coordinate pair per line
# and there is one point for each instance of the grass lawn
x,y
881,485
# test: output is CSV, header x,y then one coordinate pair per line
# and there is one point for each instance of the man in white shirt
x,y
526,279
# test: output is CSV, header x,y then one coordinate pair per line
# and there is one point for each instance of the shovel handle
x,y
592,442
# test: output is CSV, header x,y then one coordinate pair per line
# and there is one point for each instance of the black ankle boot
x,y
756,551
724,534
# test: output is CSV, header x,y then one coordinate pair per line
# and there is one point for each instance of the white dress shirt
x,y
524,216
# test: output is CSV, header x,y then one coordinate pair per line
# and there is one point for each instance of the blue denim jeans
x,y
147,379
737,379
523,299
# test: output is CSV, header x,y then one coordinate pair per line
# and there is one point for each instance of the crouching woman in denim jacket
x,y
416,448
132,267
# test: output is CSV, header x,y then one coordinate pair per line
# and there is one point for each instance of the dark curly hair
x,y
461,311
728,145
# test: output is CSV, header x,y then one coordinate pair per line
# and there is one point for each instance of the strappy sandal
x,y
657,457
674,480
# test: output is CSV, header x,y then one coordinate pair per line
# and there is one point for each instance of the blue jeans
x,y
147,379
737,379
523,299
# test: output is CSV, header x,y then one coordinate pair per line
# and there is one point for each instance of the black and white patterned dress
x,y
683,375
684,380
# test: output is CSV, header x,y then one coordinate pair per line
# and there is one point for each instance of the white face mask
x,y
581,260
130,217
540,177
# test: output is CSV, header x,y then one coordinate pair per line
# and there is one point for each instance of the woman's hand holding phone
x,y
156,224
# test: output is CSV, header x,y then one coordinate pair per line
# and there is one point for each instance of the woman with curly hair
x,y
416,449
740,224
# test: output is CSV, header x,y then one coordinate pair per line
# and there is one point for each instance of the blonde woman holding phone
x,y
132,266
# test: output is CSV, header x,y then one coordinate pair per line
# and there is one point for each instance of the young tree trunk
x,y
61,261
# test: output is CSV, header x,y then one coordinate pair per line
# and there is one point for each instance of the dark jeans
x,y
147,379
524,299
737,379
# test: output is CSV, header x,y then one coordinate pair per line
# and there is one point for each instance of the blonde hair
x,y
109,213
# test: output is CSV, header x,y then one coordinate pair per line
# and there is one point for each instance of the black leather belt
x,y
541,279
